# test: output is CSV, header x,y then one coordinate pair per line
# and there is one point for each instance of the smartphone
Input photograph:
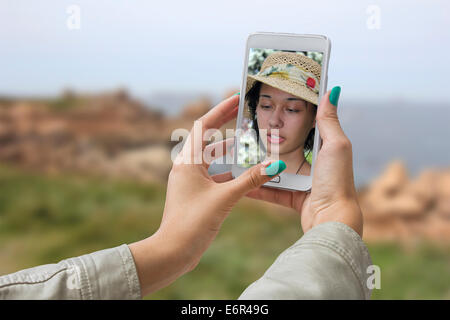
x,y
284,78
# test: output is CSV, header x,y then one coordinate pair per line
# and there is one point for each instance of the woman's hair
x,y
252,98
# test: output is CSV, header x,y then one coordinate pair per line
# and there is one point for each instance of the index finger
x,y
221,113
192,151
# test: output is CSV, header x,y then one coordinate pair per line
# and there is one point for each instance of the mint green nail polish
x,y
334,95
275,168
236,94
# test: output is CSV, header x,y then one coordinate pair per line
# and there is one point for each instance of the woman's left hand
x,y
196,205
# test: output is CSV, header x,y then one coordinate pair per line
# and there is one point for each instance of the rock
x,y
443,195
423,188
437,229
196,109
405,205
77,132
391,181
397,208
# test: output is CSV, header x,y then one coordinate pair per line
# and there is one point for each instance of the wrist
x,y
346,211
158,263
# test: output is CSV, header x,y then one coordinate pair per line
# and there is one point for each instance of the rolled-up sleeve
x,y
330,261
104,274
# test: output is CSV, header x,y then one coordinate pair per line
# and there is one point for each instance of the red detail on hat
x,y
310,82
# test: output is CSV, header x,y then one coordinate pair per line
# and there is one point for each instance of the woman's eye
x,y
293,110
266,107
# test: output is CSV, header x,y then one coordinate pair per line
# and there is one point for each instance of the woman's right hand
x,y
333,196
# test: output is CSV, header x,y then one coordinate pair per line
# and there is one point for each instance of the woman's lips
x,y
275,139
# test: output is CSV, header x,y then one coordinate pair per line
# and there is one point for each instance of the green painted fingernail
x,y
334,95
275,168
236,94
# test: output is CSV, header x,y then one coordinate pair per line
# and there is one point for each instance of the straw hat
x,y
290,72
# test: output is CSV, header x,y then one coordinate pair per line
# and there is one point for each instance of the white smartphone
x,y
284,78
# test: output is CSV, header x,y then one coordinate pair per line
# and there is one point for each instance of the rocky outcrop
x,y
398,208
84,133
196,109
108,133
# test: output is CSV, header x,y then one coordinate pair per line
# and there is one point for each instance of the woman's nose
x,y
275,120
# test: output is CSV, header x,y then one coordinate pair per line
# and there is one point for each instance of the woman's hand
x,y
333,195
196,205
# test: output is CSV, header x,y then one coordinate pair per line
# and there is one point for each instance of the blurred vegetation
x,y
257,57
44,219
65,102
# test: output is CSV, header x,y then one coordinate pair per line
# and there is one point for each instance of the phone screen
x,y
281,99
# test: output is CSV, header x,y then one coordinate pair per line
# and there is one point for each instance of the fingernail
x,y
236,94
275,168
334,95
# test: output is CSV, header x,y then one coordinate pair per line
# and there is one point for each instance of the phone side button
x,y
276,179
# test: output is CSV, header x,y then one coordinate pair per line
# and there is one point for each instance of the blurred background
x,y
91,91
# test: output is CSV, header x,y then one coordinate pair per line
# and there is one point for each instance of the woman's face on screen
x,y
291,115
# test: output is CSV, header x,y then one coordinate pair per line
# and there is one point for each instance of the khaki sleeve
x,y
105,274
330,261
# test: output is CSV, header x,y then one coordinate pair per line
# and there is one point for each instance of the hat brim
x,y
285,85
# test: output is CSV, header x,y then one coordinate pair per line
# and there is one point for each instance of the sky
x,y
192,46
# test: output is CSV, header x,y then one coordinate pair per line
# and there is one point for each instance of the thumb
x,y
256,176
327,118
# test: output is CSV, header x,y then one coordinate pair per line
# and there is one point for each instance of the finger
x,y
336,172
231,115
221,113
216,150
327,118
277,196
256,176
192,151
222,177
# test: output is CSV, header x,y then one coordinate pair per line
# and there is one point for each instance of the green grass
x,y
44,219
419,273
